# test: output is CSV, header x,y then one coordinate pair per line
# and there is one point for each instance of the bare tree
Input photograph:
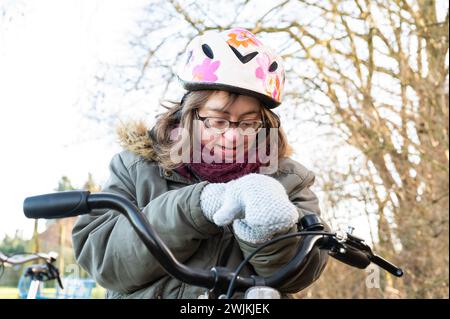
x,y
385,76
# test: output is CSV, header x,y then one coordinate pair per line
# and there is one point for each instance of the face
x,y
244,108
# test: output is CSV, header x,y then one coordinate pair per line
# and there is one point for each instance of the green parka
x,y
109,250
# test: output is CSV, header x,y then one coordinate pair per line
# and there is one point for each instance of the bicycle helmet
x,y
233,60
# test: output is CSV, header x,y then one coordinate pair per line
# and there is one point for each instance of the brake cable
x,y
276,239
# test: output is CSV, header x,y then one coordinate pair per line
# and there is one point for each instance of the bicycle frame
x,y
37,273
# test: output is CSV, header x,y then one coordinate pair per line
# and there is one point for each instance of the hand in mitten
x,y
258,206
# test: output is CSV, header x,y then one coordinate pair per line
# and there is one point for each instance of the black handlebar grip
x,y
352,257
386,265
57,205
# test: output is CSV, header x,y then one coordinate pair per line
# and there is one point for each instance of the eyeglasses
x,y
221,125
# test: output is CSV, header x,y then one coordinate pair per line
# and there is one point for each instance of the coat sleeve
x,y
270,259
111,252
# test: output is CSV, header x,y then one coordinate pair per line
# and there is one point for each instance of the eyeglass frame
x,y
204,118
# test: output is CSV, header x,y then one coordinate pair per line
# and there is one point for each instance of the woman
x,y
204,180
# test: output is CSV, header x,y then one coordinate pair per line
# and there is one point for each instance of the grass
x,y
13,293
9,293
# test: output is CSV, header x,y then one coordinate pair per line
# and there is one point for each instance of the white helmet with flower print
x,y
236,61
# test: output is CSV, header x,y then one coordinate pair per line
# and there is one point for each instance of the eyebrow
x,y
246,113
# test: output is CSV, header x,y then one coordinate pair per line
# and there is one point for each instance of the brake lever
x,y
361,245
54,272
386,265
347,250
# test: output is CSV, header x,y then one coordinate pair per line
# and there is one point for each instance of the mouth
x,y
228,152
227,149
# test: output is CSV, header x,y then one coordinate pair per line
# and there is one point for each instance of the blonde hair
x,y
182,114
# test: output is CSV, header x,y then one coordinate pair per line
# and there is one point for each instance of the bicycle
x,y
38,273
220,281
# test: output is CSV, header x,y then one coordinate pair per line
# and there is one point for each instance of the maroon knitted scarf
x,y
218,172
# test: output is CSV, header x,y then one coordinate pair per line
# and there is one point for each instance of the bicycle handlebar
x,y
24,258
57,205
73,203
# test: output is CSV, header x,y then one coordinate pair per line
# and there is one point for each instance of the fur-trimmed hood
x,y
134,137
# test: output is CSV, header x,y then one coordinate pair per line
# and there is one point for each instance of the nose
x,y
231,136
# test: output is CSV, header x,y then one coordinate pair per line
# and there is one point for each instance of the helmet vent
x,y
243,58
208,51
273,66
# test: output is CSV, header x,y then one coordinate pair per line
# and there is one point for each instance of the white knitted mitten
x,y
258,206
211,199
